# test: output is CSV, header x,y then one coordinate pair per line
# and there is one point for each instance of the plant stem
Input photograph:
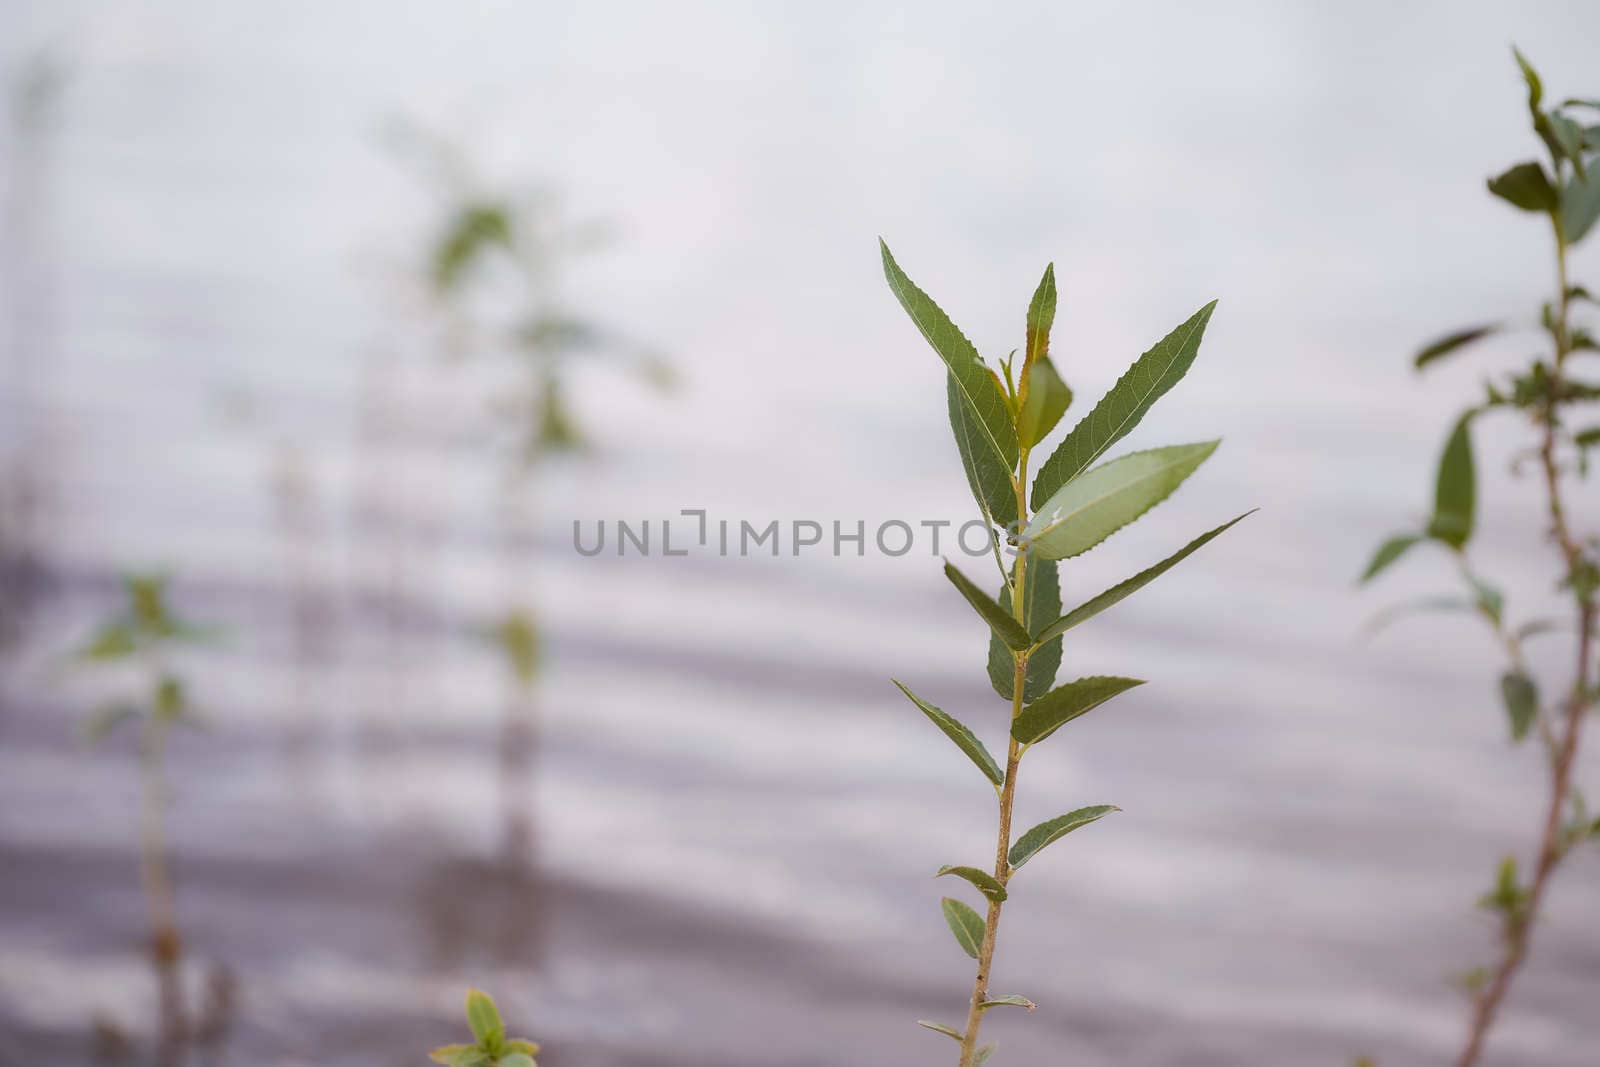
x,y
1519,925
166,948
1008,791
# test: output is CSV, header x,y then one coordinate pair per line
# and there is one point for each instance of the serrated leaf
x,y
1097,504
1060,706
1043,603
1120,410
1005,627
1580,206
987,477
1009,1000
1455,491
941,1028
1388,552
459,1055
1450,342
1521,696
1029,844
986,431
483,1017
964,738
1048,398
983,881
1041,316
965,923
1525,186
1124,589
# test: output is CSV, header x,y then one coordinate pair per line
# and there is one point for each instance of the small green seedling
x,y
1548,394
145,632
1076,503
490,1046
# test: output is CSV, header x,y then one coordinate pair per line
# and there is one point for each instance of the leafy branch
x,y
1077,504
1566,193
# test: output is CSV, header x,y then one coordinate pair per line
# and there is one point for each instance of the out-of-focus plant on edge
x,y
1550,394
490,1047
145,633
1076,504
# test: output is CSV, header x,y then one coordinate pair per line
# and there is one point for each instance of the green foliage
x,y
1124,589
1043,600
941,1028
982,880
1526,186
1078,502
1521,695
964,738
1452,342
1060,706
490,1047
1010,1000
1455,493
966,924
1121,409
1097,504
518,640
1052,830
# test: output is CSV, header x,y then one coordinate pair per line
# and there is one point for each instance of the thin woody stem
x,y
1564,752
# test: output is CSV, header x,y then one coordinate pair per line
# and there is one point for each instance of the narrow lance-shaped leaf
x,y
1122,590
1450,342
1580,206
983,881
965,923
1005,627
1041,316
1092,507
988,476
986,426
1043,603
1388,552
1009,1000
941,1028
1522,702
1060,706
964,738
1525,186
1028,845
1120,410
1455,492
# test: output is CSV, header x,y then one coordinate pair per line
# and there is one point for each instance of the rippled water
x,y
737,814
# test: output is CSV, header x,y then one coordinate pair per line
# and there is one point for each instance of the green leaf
x,y
1587,438
1525,186
985,882
985,431
1566,140
1531,76
459,1055
483,1017
518,639
987,476
999,619
475,229
964,738
1096,505
1450,342
1043,602
1580,206
965,923
1388,552
1060,706
518,1044
1455,493
948,1031
1388,616
1122,590
111,642
517,1059
102,723
1048,398
1028,845
1522,702
1009,1000
1041,316
1120,410
981,1057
